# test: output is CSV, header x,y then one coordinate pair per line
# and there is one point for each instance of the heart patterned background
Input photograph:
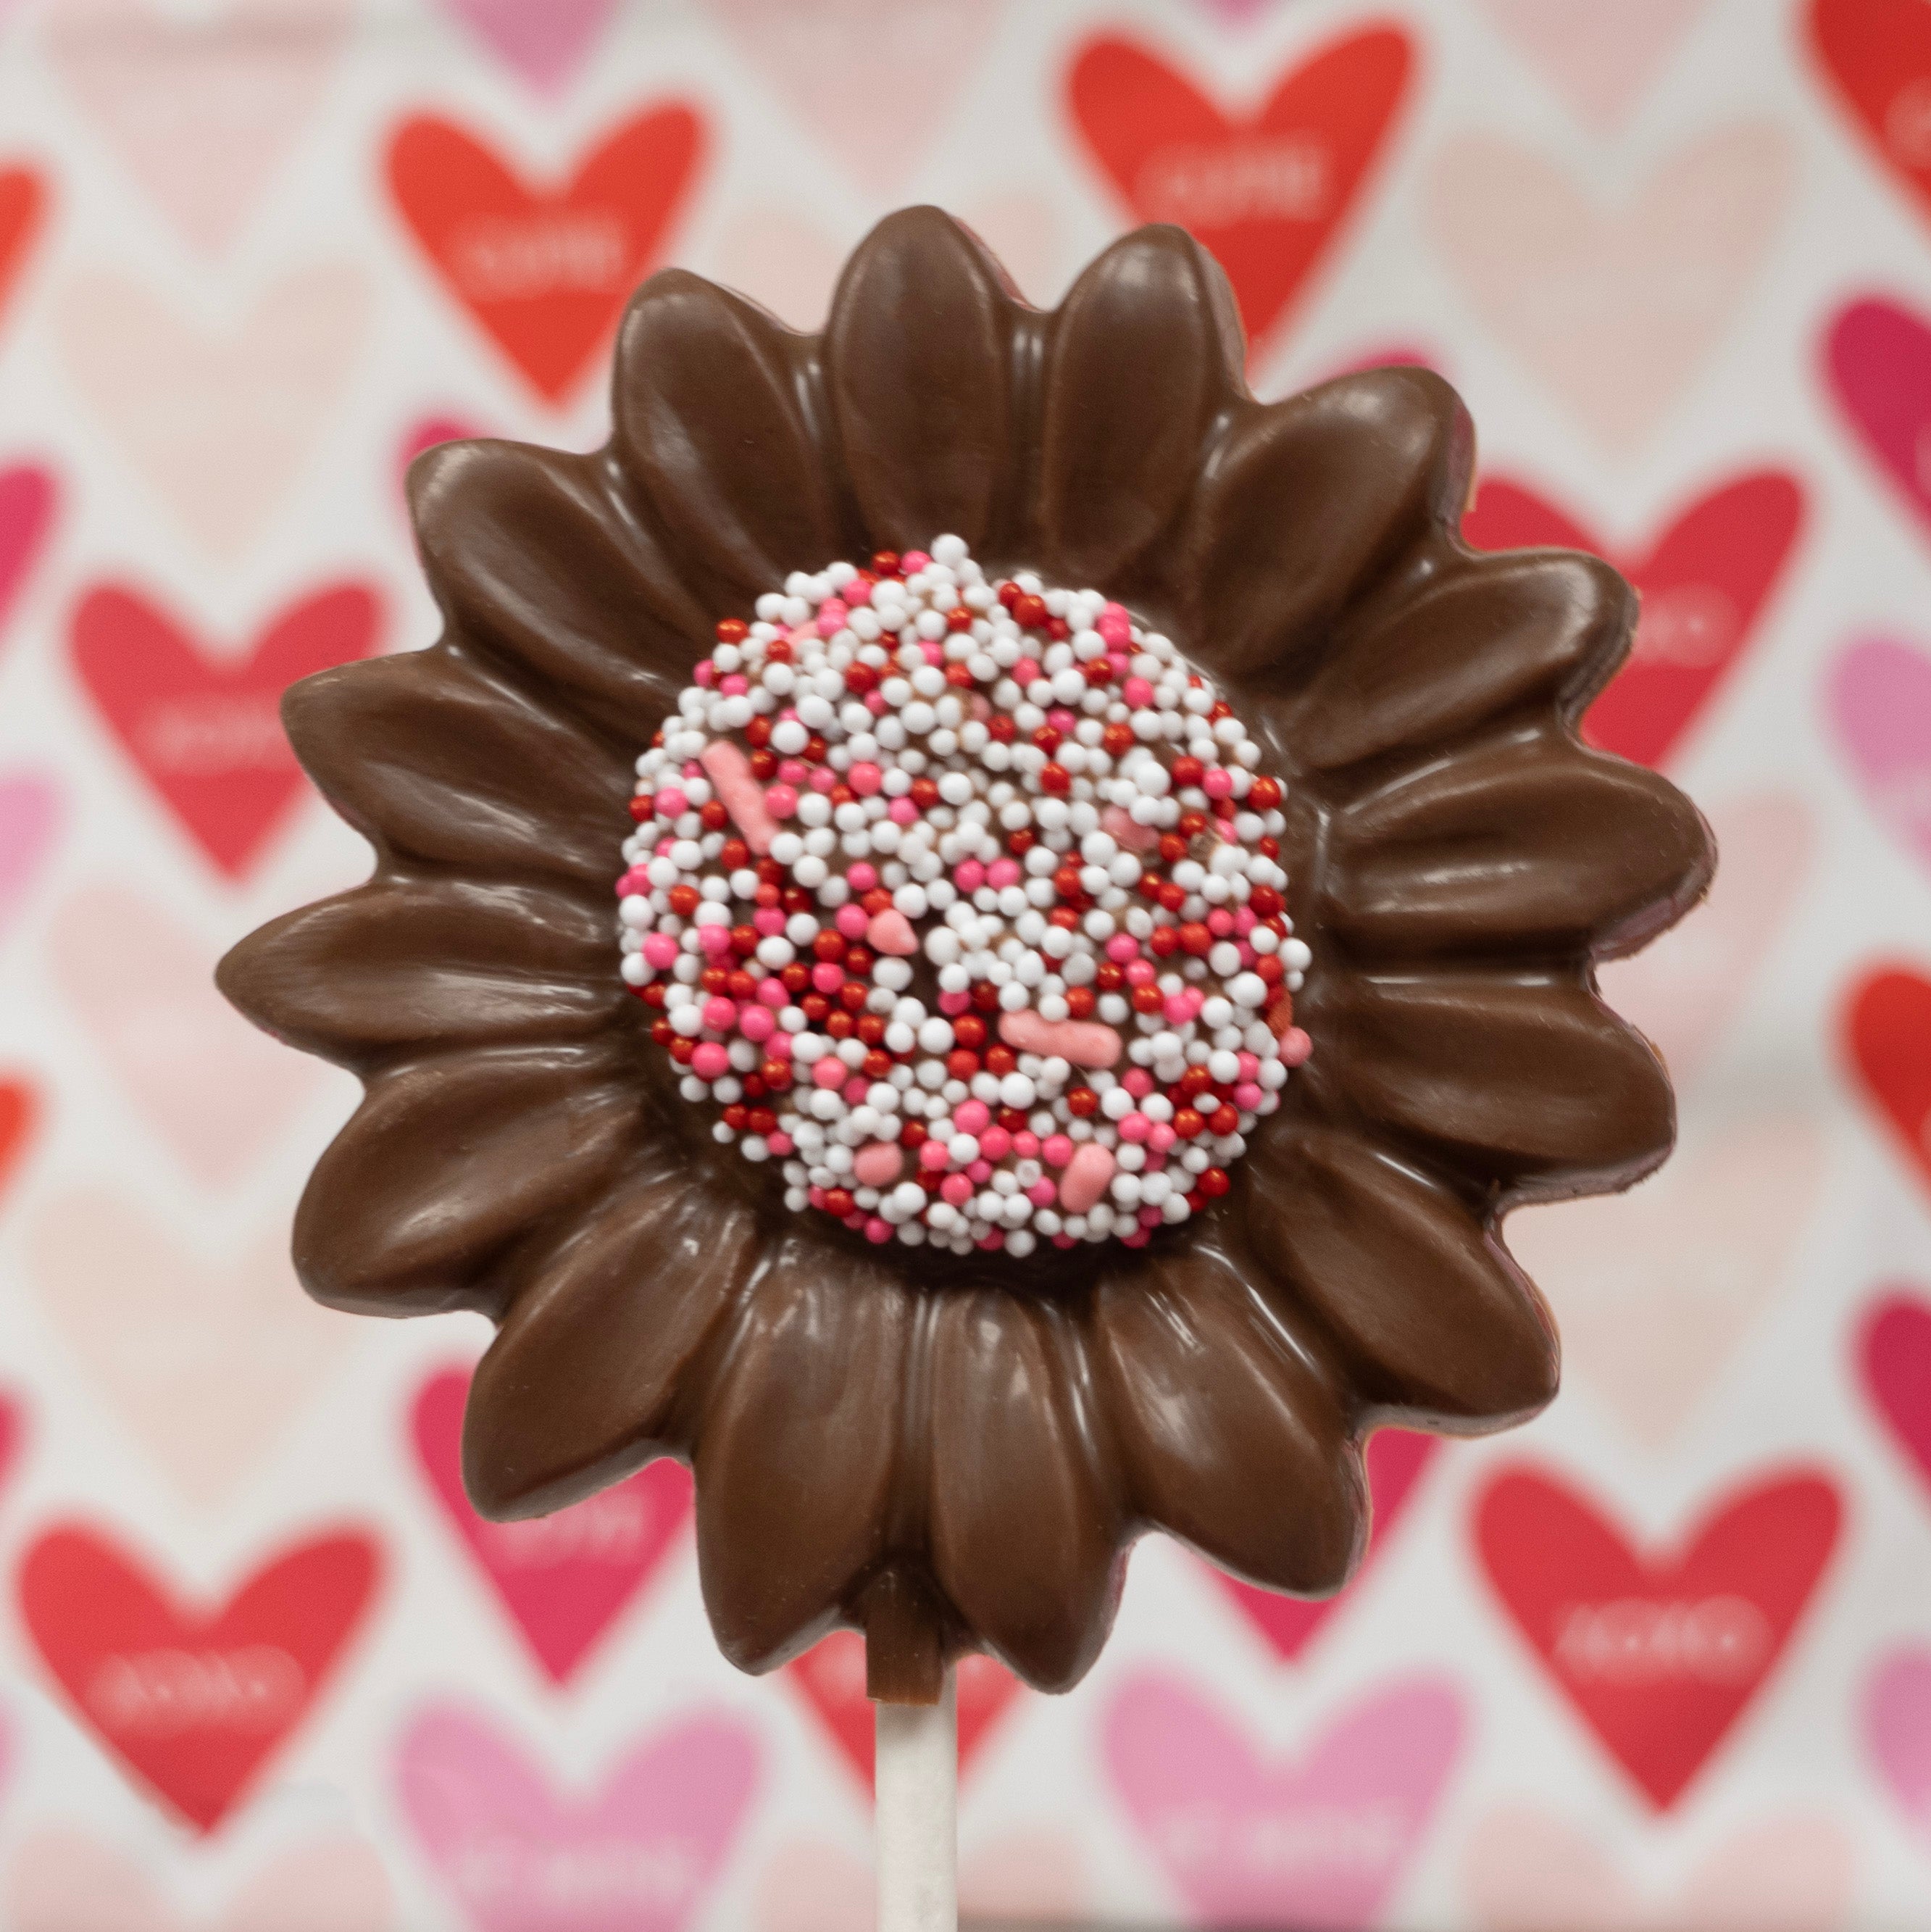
x,y
1663,1658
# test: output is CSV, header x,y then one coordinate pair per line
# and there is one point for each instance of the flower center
x,y
963,899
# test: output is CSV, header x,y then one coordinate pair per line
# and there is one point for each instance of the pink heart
x,y
206,1360
215,1090
203,110
640,1852
61,1879
30,813
1880,693
1878,359
218,421
1682,990
26,514
1615,308
1894,1358
1323,1841
547,44
1021,1875
1654,1289
1239,12
426,433
1524,1872
807,57
566,1577
1600,59
1897,1730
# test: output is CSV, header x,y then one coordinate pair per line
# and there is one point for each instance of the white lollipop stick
x,y
916,1804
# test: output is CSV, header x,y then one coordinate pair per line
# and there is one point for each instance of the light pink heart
x,y
217,417
30,806
1614,302
63,1880
1030,1876
1897,1730
218,1093
1600,59
1524,1872
1682,990
1880,697
788,263
545,41
1654,1290
808,59
206,1360
202,108
640,1853
1247,1839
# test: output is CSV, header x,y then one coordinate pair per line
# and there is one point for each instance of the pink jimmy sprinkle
x,y
735,685
861,877
901,811
705,673
913,561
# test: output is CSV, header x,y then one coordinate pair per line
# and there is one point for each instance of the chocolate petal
x,y
1441,1328
1488,636
540,567
1308,503
1524,844
428,755
1229,1430
919,354
447,1163
708,419
1529,1081
1025,1534
796,1453
438,962
601,1362
1145,350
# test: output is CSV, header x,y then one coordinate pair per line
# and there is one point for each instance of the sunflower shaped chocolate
x,y
1107,890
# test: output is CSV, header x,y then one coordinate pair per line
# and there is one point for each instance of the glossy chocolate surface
x,y
956,1452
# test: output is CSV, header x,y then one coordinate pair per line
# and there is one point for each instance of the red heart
x,y
1878,53
26,510
23,200
19,1114
208,732
563,1578
192,1702
1888,1028
1894,1354
1266,192
12,1433
546,271
1704,582
1395,1459
832,1676
1658,1653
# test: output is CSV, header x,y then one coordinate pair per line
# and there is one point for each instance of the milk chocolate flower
x,y
948,1451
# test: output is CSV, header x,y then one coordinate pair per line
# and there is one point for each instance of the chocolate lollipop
x,y
1108,890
